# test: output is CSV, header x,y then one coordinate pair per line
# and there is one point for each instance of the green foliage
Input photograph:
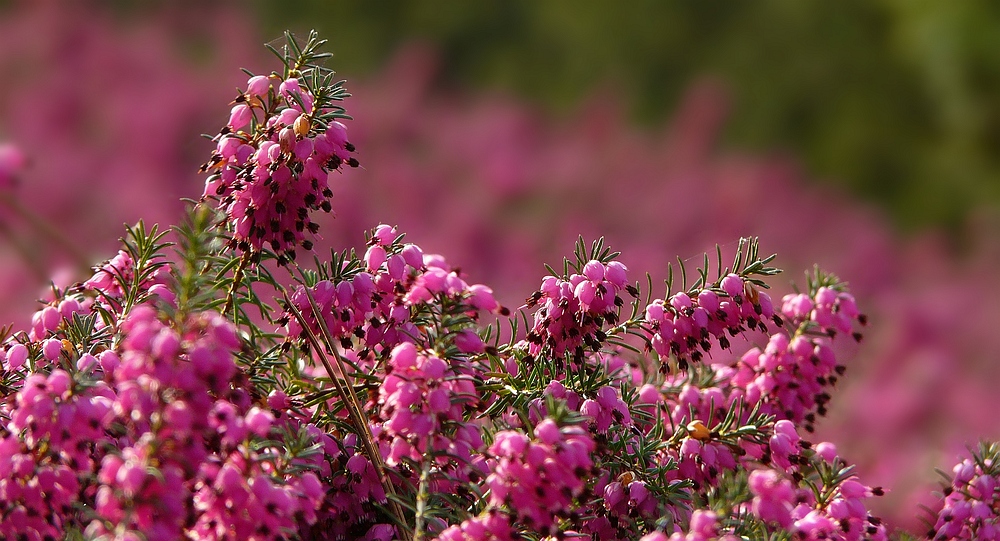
x,y
747,263
145,247
199,260
304,61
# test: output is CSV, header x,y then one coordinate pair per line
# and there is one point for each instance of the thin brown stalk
x,y
234,287
350,399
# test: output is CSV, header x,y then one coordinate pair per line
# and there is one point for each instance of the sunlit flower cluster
x,y
210,386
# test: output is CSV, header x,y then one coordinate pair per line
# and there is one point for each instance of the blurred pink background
x,y
108,108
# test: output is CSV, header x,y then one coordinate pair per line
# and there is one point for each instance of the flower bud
x,y
258,85
240,116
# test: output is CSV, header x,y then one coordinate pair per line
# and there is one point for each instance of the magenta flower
x,y
272,163
538,479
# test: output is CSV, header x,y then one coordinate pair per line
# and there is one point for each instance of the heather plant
x,y
207,383
499,186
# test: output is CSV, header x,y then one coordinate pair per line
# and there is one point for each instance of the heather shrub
x,y
209,382
481,160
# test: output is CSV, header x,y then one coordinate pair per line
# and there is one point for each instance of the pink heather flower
x,y
384,234
51,349
109,362
797,306
258,86
239,118
615,272
469,342
16,356
773,497
482,298
827,451
732,285
259,421
704,522
594,271
50,318
86,362
278,400
59,382
12,161
375,257
547,431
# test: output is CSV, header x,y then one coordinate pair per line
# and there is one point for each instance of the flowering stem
x,y
418,525
348,396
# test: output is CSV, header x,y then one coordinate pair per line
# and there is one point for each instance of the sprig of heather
x,y
685,325
426,406
407,320
388,298
825,500
971,498
573,308
272,160
194,456
793,375
75,330
537,479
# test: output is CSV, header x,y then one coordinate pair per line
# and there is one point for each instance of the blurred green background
x,y
896,100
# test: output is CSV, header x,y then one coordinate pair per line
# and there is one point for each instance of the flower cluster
x,y
156,436
704,526
377,304
789,379
686,324
104,294
49,443
830,310
352,489
423,403
192,460
792,376
113,278
971,507
273,159
625,504
834,510
572,311
538,479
